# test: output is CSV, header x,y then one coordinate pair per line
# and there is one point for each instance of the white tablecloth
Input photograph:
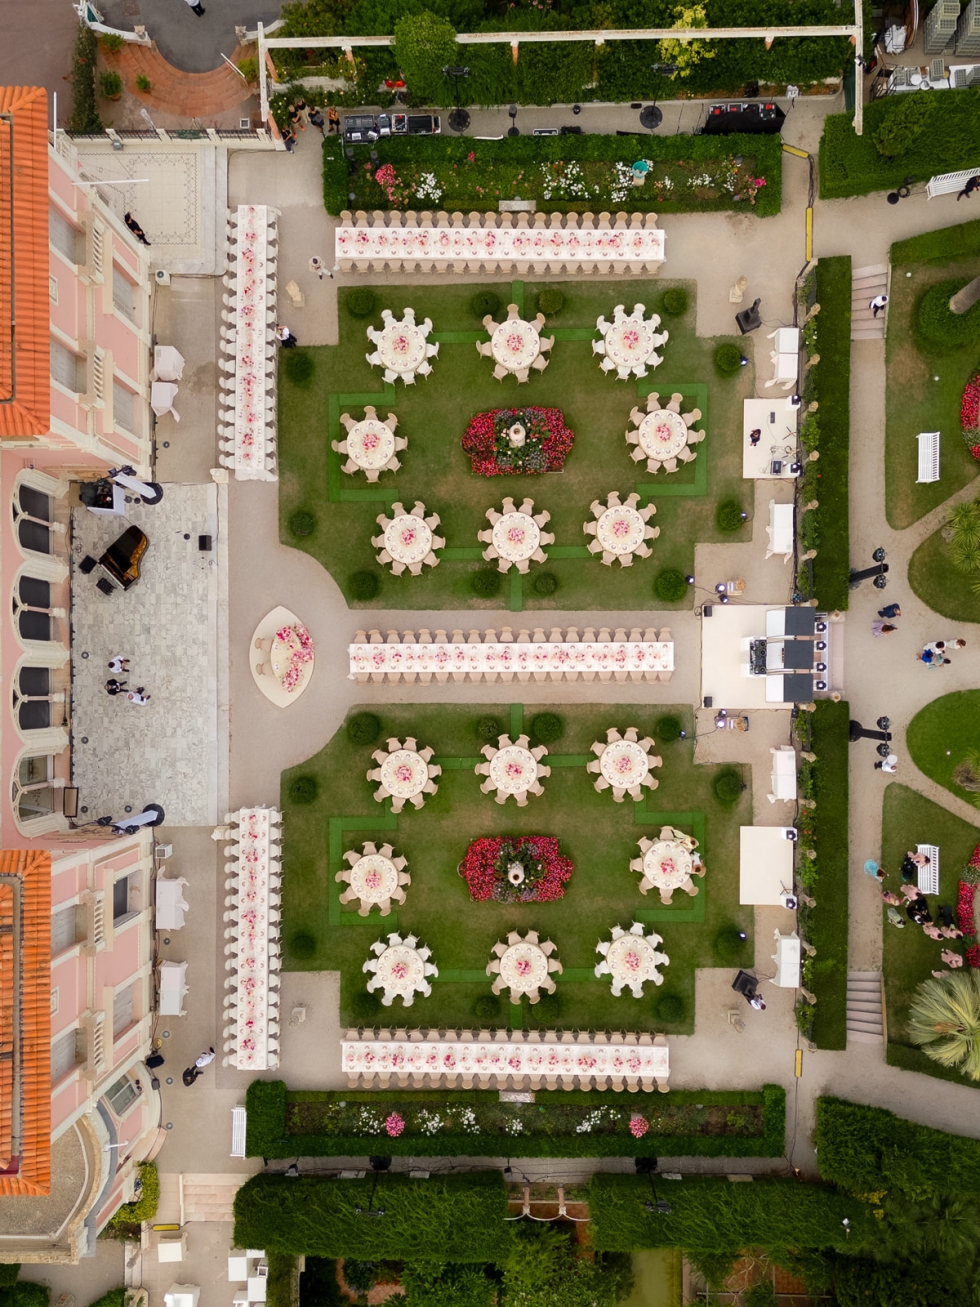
x,y
400,971
513,769
570,660
662,434
173,987
168,363
619,530
523,967
454,1058
171,904
624,763
516,536
408,539
515,344
404,773
401,346
162,396
667,865
631,960
254,833
370,444
373,878
629,342
253,376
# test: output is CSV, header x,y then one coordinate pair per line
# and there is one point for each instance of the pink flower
x,y
639,1125
394,1125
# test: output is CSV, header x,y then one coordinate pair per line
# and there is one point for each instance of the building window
x,y
68,369
123,408
37,803
34,771
65,238
66,1052
123,294
31,511
122,1010
53,289
123,1094
55,1000
124,893
64,929
33,710
33,593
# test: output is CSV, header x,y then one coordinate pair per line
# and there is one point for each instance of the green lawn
x,y
598,834
916,402
937,582
909,955
434,414
941,733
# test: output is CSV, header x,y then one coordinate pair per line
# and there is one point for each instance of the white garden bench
x,y
928,457
238,1121
929,876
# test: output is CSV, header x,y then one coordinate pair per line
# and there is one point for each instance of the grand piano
x,y
122,559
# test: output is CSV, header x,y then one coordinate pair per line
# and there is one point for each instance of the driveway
x,y
190,43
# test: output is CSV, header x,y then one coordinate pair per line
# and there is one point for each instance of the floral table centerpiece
x,y
525,869
518,441
295,646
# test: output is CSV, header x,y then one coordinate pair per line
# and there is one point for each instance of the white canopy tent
x,y
765,864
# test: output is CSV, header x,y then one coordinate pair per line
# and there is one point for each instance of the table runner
x,y
251,381
514,658
254,835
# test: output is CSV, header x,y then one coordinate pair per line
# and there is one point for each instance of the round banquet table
x,y
631,959
667,864
400,970
619,530
629,343
404,773
370,444
516,536
662,434
401,347
513,769
515,344
408,539
373,878
624,764
523,967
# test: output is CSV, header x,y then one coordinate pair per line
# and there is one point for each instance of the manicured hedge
x,y
443,154
713,1215
824,829
867,1149
457,1218
114,1298
942,246
851,165
268,1134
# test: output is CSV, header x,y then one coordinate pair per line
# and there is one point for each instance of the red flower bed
x,y
546,442
543,870
970,415
965,918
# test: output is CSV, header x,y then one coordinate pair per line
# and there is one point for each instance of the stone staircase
x,y
208,1197
865,1020
866,283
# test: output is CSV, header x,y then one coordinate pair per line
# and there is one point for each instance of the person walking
x,y
139,695
134,226
890,611
190,1074
289,139
319,267
316,119
973,183
877,304
117,663
195,7
889,764
112,686
285,337
205,1059
333,120
878,627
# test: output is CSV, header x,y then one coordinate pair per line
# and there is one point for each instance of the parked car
x,y
361,128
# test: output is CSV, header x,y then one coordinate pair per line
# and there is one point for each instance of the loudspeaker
x,y
706,610
708,700
204,543
105,586
749,319
88,564
788,901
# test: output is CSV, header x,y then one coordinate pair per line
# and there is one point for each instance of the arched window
x,y
33,794
31,702
33,594
32,513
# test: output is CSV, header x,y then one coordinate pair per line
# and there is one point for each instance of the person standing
x,y
973,183
190,1074
285,337
139,695
134,226
289,139
196,7
333,120
889,764
890,611
320,268
205,1059
117,664
316,119
877,304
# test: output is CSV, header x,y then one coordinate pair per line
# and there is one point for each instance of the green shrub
x,y
360,1276
729,945
303,789
729,515
437,1285
667,730
728,360
670,585
760,1295
484,302
829,383
364,586
114,1298
9,1272
302,523
424,44
547,727
249,69
361,301
111,85
84,120
486,582
145,1207
545,584
550,301
365,1006
898,132
298,366
25,1293
488,729
938,329
547,1011
674,302
282,1274
457,1218
143,83
943,246
302,945
111,42
363,728
728,787
265,1128
487,1007
670,1009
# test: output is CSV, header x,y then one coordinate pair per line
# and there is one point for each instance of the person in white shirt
x,y
117,663
205,1059
877,304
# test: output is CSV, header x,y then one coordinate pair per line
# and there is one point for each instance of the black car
x,y
368,128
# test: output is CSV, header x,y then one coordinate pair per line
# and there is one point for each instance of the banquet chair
x,y
607,365
674,406
500,372
686,455
539,364
432,351
424,369
522,375
624,374
598,347
692,417
512,310
484,349
670,464
409,377
374,359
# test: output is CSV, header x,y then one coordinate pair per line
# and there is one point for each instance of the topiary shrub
x,y
487,1007
548,1011
302,945
670,585
547,727
940,331
545,584
486,583
728,787
112,42
488,729
363,728
365,1006
111,85
670,1008
728,360
667,730
25,1293
302,523
484,302
364,585
360,302
674,302
8,1273
729,945
550,301
303,789
728,516
298,366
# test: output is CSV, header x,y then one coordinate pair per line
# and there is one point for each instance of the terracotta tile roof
x,y
29,879
25,365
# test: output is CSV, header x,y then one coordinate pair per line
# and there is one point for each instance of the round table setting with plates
x,y
629,342
620,529
373,878
630,959
516,536
667,864
513,769
408,539
404,773
523,968
401,346
370,444
515,344
662,434
401,969
624,764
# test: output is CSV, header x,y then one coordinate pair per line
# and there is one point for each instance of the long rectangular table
x,y
606,659
257,1004
254,374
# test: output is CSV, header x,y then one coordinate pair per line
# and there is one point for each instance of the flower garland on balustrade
x,y
970,415
299,647
965,907
496,450
528,869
